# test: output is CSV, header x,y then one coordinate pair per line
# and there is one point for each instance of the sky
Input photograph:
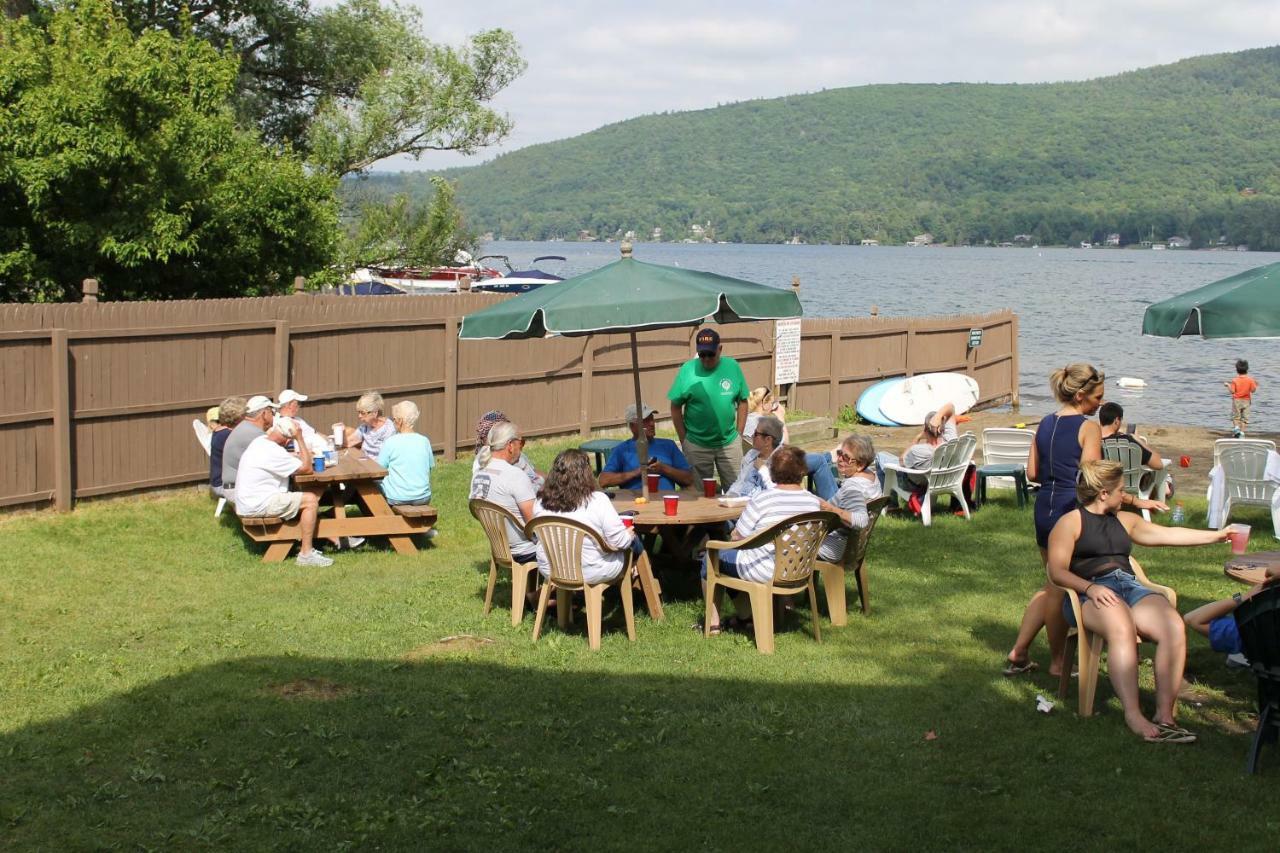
x,y
596,63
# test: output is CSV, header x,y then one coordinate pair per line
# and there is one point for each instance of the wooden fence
x,y
98,399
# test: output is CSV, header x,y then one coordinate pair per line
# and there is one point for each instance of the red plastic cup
x,y
1185,461
709,486
654,483
670,504
1239,538
628,521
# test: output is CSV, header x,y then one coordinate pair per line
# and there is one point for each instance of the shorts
x,y
1240,410
1224,636
1118,581
284,505
728,564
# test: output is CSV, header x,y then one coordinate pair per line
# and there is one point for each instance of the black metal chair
x,y
1258,619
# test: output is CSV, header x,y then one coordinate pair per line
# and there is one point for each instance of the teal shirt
x,y
710,400
408,458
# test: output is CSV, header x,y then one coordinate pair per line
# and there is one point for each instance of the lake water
x,y
1073,305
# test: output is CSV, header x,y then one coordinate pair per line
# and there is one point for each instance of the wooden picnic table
x,y
1251,568
361,475
695,508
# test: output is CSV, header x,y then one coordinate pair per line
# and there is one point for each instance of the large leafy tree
x,y
121,158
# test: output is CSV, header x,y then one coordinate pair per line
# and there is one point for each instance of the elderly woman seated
x,y
855,459
571,492
374,428
787,498
408,458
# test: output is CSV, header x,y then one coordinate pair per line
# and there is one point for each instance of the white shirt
x,y
522,463
507,486
853,495
920,456
598,514
265,469
764,510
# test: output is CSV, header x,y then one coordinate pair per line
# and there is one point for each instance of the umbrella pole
x,y
642,438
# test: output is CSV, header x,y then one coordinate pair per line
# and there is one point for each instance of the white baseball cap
x,y
288,395
257,403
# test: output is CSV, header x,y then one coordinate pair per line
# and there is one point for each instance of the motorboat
x,y
517,281
382,280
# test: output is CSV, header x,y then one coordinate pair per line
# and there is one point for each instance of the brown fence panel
x,y
99,399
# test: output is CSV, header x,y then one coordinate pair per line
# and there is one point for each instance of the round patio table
x,y
695,508
1251,568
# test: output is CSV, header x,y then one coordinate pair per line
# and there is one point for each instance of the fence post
x,y
89,289
588,367
451,389
1013,348
833,377
910,350
63,492
280,365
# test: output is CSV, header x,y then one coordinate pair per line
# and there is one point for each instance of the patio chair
x,y
204,435
563,538
795,550
1005,452
1258,619
1223,443
495,520
950,462
1129,455
1245,482
854,562
1089,645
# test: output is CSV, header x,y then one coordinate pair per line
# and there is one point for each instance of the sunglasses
x,y
843,457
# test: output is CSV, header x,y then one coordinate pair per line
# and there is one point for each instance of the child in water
x,y
1241,388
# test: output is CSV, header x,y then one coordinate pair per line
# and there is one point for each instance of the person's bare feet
x,y
1141,726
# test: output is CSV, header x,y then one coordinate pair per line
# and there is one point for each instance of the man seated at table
x,y
262,485
259,413
289,404
754,475
665,457
1111,419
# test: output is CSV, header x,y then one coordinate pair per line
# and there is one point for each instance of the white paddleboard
x,y
1131,383
913,398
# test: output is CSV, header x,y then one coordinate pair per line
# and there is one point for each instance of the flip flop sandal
x,y
1013,668
1171,734
699,627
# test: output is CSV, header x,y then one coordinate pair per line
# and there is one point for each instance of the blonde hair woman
x,y
1089,553
760,403
1063,441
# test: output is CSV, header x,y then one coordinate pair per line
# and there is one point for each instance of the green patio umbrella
x,y
1245,305
629,296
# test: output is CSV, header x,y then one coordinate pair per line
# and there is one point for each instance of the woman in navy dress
x,y
1063,440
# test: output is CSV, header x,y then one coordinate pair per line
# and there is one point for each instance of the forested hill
x,y
1189,149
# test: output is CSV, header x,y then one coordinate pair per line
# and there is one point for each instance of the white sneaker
x,y
353,542
313,558
1237,661
431,534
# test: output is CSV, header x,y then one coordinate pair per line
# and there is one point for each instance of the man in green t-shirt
x,y
708,408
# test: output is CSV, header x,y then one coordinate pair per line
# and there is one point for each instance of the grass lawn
x,y
161,688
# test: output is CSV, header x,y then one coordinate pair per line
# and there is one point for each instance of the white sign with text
x,y
786,351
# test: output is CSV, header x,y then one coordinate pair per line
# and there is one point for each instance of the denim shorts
x,y
1118,581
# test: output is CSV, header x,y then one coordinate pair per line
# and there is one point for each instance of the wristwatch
x,y
1237,597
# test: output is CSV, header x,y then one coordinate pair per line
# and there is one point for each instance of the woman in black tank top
x,y
1089,553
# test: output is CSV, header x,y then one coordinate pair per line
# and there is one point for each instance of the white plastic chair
x,y
1223,443
950,462
1245,482
1129,455
204,435
1007,446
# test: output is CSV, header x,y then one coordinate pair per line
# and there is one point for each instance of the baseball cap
x,y
769,425
630,414
707,341
287,427
257,403
288,395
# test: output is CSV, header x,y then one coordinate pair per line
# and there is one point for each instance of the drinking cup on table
x,y
709,486
339,433
670,504
1239,538
317,464
655,482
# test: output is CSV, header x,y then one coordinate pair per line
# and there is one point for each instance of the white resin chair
x,y
1245,482
950,462
1129,455
1223,443
204,435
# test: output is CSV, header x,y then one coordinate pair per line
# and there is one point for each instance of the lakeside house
x,y
1179,242
867,241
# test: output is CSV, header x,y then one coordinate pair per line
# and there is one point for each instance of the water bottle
x,y
1179,515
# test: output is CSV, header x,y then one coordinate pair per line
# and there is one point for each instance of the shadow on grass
x,y
450,750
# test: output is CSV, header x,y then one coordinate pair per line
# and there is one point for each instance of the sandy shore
x,y
1171,442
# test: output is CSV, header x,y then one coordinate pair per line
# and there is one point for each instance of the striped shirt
x,y
854,494
764,510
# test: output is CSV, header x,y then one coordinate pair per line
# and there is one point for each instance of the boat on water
x,y
518,281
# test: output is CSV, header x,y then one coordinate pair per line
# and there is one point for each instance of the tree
x,y
349,84
120,158
398,232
